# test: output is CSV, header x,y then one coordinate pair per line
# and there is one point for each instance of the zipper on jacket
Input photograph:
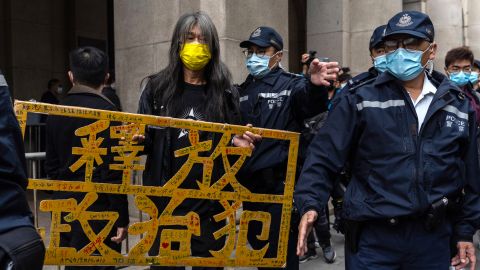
x,y
426,121
414,134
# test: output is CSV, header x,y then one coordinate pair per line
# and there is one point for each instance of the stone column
x,y
34,44
341,30
446,16
328,29
473,30
365,16
143,30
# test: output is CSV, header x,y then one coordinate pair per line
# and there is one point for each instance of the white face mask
x,y
112,85
59,90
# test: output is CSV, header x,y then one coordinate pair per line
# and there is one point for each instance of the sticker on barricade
x,y
165,233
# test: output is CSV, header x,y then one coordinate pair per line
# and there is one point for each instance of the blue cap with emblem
x,y
476,63
377,36
413,23
264,36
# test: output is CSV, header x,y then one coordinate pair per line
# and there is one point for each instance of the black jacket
x,y
60,141
14,209
111,94
157,140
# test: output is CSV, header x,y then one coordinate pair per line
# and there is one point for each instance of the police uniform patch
x,y
405,21
256,33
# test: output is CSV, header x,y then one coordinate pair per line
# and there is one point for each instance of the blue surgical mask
x,y
405,65
380,63
459,78
258,66
474,77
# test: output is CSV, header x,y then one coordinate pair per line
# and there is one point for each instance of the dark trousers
x,y
77,239
322,230
21,248
255,228
200,245
406,245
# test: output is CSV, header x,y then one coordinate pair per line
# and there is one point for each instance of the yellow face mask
x,y
195,56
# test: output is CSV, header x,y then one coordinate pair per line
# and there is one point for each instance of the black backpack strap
x,y
23,247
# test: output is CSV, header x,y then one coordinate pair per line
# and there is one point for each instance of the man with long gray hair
x,y
194,85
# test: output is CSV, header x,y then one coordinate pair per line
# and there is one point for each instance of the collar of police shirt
x,y
424,100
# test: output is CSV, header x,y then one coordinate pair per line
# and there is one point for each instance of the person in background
x,y
306,60
377,55
474,75
110,91
343,77
53,93
88,74
459,67
51,96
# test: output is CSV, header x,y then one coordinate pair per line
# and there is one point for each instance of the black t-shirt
x,y
191,107
192,104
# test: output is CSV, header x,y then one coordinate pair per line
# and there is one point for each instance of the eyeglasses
x,y
260,52
410,44
457,69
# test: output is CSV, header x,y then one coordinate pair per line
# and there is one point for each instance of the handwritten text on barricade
x,y
226,190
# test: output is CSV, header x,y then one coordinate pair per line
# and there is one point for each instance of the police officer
x,y
410,137
273,98
377,54
458,67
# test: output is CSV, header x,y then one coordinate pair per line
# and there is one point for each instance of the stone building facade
x,y
35,36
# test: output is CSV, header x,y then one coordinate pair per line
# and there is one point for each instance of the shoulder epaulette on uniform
x,y
362,83
293,74
360,79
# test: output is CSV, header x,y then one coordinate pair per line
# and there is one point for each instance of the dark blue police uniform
x,y
278,100
397,172
20,245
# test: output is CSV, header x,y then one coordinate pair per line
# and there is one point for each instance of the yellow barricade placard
x,y
174,246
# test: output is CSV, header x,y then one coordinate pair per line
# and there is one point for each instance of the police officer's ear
x,y
279,56
107,76
433,51
446,70
275,59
